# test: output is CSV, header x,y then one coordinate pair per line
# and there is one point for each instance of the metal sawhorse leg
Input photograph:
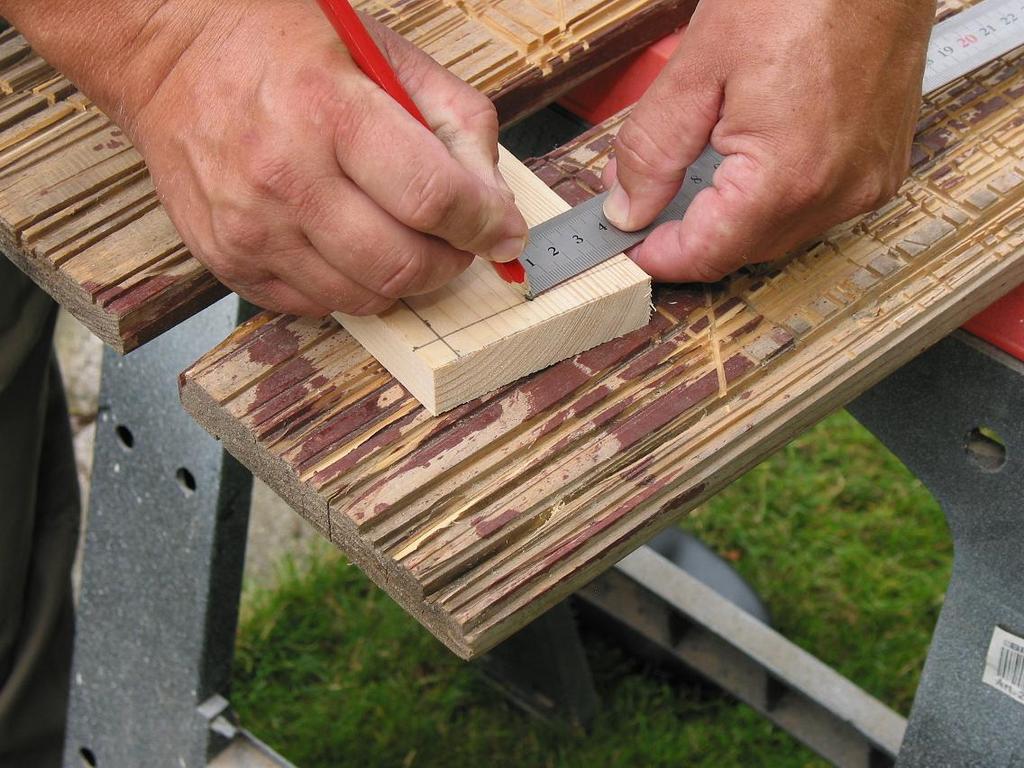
x,y
165,545
936,414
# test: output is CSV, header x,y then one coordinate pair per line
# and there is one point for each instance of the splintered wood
x,y
78,211
479,333
478,520
523,54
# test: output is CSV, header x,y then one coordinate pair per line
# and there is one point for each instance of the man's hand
x,y
813,103
291,175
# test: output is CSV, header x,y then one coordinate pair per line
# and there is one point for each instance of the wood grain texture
x,y
478,520
524,54
78,211
479,333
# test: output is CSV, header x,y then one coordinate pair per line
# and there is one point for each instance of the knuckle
x,y
806,188
274,176
892,182
371,306
313,209
477,113
233,272
345,113
873,191
264,295
351,122
638,149
481,235
406,278
237,230
429,200
708,271
315,93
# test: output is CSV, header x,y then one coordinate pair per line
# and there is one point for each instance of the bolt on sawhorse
x,y
165,547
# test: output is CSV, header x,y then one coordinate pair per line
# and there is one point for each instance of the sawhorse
x,y
165,544
165,547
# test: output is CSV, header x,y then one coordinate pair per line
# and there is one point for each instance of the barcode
x,y
1004,664
1011,665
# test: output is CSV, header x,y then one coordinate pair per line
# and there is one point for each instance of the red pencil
x,y
371,61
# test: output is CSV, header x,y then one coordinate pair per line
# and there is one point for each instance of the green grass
x,y
849,551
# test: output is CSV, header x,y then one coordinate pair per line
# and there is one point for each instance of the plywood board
x,y
478,520
479,333
78,212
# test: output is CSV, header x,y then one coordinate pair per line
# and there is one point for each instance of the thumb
x,y
666,132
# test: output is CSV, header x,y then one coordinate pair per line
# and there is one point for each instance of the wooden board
x,y
480,519
479,333
78,212
525,54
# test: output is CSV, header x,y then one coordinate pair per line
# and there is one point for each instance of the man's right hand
x,y
296,180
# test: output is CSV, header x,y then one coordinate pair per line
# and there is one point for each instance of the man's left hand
x,y
813,103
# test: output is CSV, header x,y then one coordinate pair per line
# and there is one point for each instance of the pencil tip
x,y
528,289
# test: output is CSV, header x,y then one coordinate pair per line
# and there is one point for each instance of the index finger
x,y
741,219
409,173
462,118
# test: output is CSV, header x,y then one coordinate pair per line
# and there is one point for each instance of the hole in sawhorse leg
x,y
88,758
986,449
125,436
186,480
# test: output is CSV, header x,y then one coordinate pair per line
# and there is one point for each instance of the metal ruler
x,y
573,242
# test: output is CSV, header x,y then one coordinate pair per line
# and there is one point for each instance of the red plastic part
x,y
621,84
511,271
1002,324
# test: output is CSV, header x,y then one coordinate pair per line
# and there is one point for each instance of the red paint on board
x,y
487,526
381,439
746,328
274,343
679,301
676,402
122,302
279,390
341,426
727,306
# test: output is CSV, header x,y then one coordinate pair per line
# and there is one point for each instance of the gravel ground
x,y
274,529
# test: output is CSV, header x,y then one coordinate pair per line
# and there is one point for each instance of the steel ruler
x,y
573,242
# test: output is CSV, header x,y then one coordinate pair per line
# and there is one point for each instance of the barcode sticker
x,y
1004,666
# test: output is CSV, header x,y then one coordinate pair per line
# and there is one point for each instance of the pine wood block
x,y
479,333
478,520
78,212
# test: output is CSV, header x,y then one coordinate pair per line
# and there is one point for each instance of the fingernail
x,y
508,249
616,206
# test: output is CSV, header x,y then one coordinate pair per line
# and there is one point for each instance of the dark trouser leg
x,y
39,519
